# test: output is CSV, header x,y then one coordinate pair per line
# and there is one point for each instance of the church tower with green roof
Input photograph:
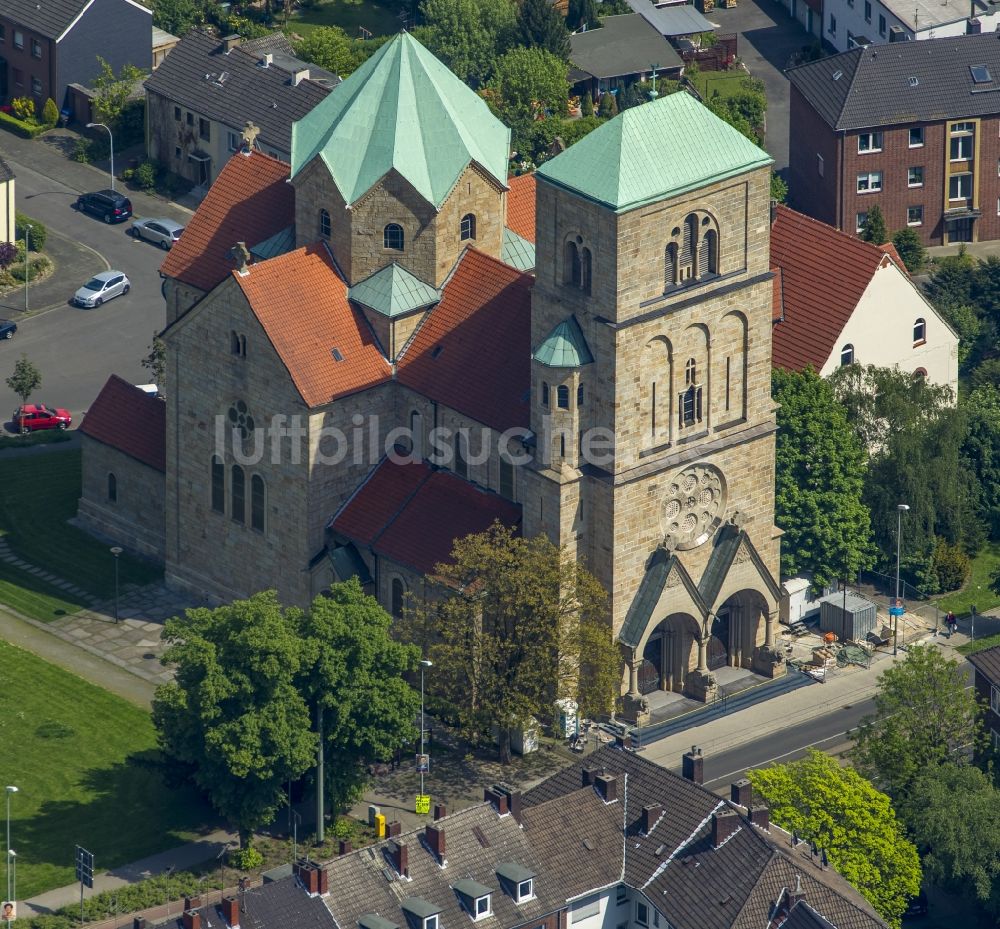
x,y
651,401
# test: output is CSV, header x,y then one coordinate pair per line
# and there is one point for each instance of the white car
x,y
101,287
162,232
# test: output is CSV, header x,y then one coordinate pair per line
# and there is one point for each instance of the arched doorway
x,y
718,641
669,654
739,623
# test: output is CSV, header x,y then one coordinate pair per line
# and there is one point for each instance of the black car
x,y
7,329
108,205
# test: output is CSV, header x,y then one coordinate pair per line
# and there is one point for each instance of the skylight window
x,y
337,356
980,74
837,75
913,81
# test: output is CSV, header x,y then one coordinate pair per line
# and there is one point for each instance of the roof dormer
x,y
476,898
517,881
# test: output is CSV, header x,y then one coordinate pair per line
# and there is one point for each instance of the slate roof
x,y
393,291
412,513
130,420
249,202
824,274
402,110
482,324
987,663
689,143
676,20
232,87
301,302
521,206
875,87
564,347
277,904
625,44
50,18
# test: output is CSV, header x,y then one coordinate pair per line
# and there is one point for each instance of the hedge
x,y
18,127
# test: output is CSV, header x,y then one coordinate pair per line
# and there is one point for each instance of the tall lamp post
x,y
27,233
10,790
424,664
12,863
901,508
116,551
112,140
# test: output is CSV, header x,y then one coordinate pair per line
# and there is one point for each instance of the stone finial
x,y
241,255
249,134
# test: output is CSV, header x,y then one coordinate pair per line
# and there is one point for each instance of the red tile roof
x,y
824,273
473,352
130,420
890,250
249,202
301,302
521,206
412,514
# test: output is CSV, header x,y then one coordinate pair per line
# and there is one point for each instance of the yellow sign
x,y
423,804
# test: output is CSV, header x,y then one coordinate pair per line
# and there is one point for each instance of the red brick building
x,y
914,128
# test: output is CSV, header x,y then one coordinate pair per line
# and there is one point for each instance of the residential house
x,y
203,94
839,300
673,21
914,129
46,47
987,666
8,208
617,841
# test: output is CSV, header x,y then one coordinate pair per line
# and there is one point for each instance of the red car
x,y
34,416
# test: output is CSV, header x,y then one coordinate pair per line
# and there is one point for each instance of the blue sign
x,y
896,610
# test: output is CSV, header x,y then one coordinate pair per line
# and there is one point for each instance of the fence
x,y
718,57
881,588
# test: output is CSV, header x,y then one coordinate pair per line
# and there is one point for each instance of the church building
x,y
390,344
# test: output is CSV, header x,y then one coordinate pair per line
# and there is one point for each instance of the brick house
x,y
617,841
915,130
840,300
45,47
987,667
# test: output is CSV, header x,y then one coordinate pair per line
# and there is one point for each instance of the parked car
x,y
101,287
7,329
34,416
162,232
108,205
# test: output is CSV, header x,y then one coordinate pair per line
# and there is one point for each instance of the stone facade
x,y
122,499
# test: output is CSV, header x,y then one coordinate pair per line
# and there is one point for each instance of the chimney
x,y
440,811
393,829
231,912
267,60
650,814
760,816
299,76
231,41
513,799
324,880
498,800
191,919
308,874
741,792
399,857
192,903
344,847
139,922
588,776
693,766
724,823
435,840
607,787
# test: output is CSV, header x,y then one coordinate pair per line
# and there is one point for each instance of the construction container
x,y
851,617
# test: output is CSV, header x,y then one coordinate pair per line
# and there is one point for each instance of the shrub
x,y
23,108
910,249
81,151
246,859
145,175
587,105
27,130
609,106
50,113
8,254
951,565
38,231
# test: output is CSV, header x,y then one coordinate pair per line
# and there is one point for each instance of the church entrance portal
x,y
718,642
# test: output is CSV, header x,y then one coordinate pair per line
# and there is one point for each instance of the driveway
x,y
768,37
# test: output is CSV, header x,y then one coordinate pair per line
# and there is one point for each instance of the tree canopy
x,y
843,814
924,718
25,379
541,25
469,36
873,228
332,48
819,481
113,91
526,83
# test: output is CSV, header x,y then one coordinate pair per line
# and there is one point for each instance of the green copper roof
x,y
401,109
564,347
660,149
393,291
517,251
278,244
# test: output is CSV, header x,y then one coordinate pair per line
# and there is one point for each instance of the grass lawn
x,y
78,755
39,494
976,591
725,83
979,645
41,437
379,18
34,597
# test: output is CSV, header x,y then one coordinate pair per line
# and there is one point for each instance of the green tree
x,y
587,105
469,35
582,13
331,48
910,249
843,814
526,83
964,319
25,380
353,681
179,16
541,25
233,716
873,228
527,625
50,113
924,717
819,482
608,106
156,361
981,449
779,189
953,814
37,235
113,91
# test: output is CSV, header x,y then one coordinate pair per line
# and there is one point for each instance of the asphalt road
x,y
77,349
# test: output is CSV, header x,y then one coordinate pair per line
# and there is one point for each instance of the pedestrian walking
x,y
950,623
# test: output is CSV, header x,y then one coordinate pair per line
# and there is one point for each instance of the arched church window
x,y
112,488
690,372
585,270
689,246
710,262
690,406
670,266
324,223
258,499
919,331
396,599
218,485
562,397
392,237
468,227
571,264
545,394
237,493
847,355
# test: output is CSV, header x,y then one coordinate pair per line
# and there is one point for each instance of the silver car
x,y
101,287
162,232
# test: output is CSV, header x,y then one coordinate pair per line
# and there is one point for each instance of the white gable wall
x,y
881,331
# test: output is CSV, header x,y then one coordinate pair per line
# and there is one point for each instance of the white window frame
x,y
530,895
871,178
915,222
919,144
641,913
955,177
431,922
477,915
869,142
18,39
910,182
859,222
995,698
233,140
832,28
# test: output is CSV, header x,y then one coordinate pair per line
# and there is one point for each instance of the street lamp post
x,y
27,232
10,790
424,663
112,140
12,858
116,551
901,508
